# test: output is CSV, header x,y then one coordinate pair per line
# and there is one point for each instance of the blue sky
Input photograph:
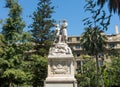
x,y
71,10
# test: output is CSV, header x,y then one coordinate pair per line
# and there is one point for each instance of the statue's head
x,y
64,20
56,25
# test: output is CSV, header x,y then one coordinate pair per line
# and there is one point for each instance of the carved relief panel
x,y
60,67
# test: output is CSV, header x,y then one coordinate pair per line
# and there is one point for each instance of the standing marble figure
x,y
61,32
64,31
57,33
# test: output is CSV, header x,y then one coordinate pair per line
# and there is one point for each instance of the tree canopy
x,y
114,5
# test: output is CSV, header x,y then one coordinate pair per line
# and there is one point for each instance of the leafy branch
x,y
99,17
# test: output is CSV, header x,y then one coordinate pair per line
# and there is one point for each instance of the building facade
x,y
113,45
113,42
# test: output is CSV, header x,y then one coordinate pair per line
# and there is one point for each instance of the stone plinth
x,y
60,67
60,84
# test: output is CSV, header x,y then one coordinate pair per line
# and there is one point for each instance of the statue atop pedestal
x,y
60,60
60,43
61,32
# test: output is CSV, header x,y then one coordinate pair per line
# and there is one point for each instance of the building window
x,y
69,39
77,46
78,54
77,38
79,66
111,45
78,63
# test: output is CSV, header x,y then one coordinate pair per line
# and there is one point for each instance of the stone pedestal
x,y
60,67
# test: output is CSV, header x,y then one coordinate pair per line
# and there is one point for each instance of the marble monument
x,y
60,60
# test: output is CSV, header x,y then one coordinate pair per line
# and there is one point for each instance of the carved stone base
x,y
60,67
60,82
60,71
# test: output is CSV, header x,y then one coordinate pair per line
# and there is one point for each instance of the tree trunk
x,y
11,83
98,69
99,76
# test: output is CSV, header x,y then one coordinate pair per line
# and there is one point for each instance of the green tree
x,y
13,27
10,64
39,70
98,17
35,67
41,26
0,21
41,38
106,74
115,71
86,74
93,40
114,5
2,44
12,58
